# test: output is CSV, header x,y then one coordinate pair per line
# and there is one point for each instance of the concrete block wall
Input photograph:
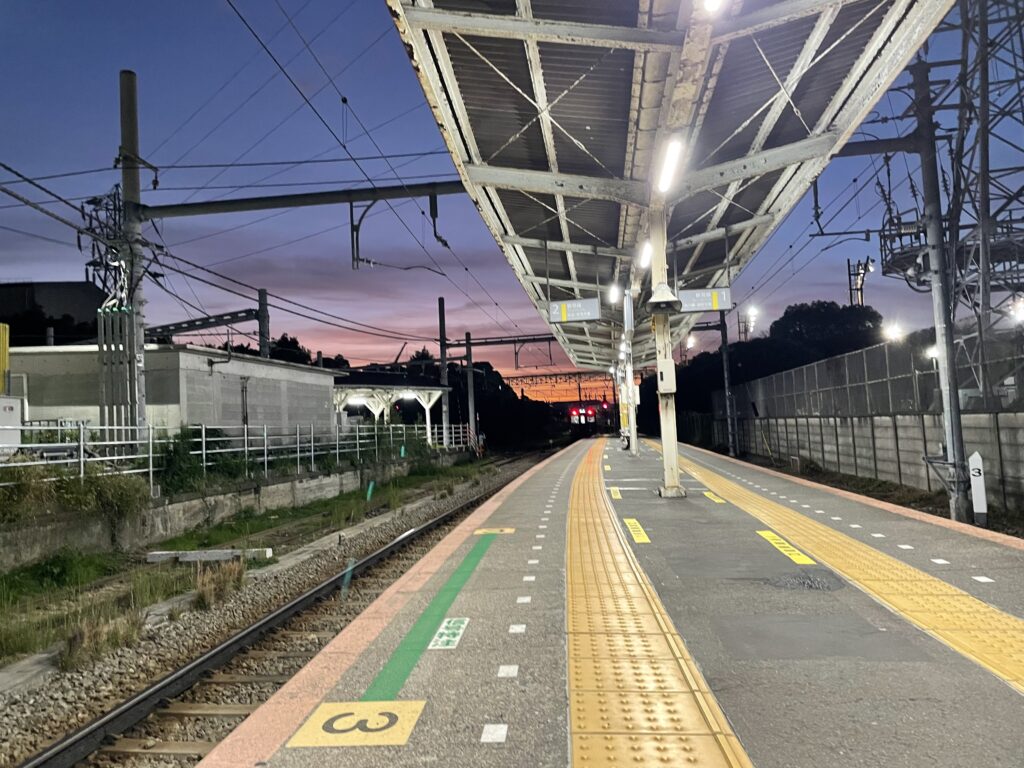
x,y
892,448
31,541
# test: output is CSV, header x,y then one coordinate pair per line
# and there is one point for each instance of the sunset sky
x,y
60,82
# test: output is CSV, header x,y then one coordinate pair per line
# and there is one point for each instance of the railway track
x,y
182,716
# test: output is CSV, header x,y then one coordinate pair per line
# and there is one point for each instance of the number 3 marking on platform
x,y
361,725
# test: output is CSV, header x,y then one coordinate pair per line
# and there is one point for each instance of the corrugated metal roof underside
x,y
597,99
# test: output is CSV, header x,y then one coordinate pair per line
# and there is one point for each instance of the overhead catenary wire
x,y
366,49
355,116
213,96
342,144
258,89
387,333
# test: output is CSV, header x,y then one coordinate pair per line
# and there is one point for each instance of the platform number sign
x,y
979,500
359,724
448,634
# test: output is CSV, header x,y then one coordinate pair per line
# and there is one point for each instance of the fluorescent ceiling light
x,y
668,168
645,255
614,293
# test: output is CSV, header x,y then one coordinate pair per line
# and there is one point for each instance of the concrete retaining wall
x,y
41,538
892,447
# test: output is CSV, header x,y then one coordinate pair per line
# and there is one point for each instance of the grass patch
x,y
216,582
38,490
66,570
94,634
89,624
47,602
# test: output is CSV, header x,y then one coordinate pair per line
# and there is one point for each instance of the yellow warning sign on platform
x,y
636,530
615,492
785,548
482,531
359,724
714,497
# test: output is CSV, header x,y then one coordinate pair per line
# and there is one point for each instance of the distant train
x,y
590,417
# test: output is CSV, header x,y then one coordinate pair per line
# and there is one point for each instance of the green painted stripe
x,y
389,681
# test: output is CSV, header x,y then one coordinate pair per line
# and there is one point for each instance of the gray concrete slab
x,y
965,557
810,670
499,697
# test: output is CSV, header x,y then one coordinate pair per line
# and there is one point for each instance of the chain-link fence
x,y
876,413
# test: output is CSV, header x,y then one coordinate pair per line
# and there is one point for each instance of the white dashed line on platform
x,y
532,562
508,670
536,547
983,579
904,546
819,511
522,599
517,629
494,733
836,518
529,578
854,525
940,561
878,535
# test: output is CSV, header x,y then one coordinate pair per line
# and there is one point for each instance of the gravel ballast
x,y
33,718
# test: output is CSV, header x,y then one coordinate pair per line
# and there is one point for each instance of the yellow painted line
x,y
607,467
714,497
359,724
785,548
636,530
615,492
485,531
635,695
980,632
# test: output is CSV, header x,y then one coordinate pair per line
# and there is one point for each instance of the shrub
x,y
182,471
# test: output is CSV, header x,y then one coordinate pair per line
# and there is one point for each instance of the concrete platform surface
x,y
579,619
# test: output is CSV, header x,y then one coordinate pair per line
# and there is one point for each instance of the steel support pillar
x,y
131,196
666,365
730,416
445,406
630,382
941,294
470,391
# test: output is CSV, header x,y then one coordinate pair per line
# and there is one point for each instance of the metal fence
x,y
890,448
247,451
885,379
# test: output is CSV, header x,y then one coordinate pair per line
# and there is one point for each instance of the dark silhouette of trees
x,y
288,349
804,334
828,327
336,362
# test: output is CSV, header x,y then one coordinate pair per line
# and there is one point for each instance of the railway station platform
x,y
576,618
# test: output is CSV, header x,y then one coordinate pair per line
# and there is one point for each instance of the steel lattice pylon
x,y
986,207
976,70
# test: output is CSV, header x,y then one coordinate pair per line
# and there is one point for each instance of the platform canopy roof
x,y
557,112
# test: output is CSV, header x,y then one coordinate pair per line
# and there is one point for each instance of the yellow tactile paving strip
x,y
635,696
984,634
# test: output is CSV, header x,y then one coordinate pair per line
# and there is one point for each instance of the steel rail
x,y
81,743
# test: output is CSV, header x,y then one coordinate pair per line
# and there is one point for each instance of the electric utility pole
x,y
128,155
445,404
940,285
